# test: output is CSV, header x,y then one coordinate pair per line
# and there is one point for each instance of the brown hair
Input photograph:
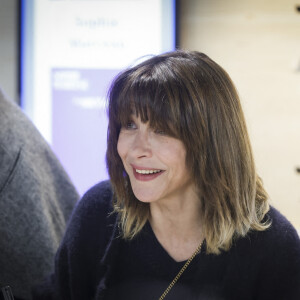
x,y
193,99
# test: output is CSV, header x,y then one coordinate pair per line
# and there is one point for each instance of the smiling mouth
x,y
147,171
146,175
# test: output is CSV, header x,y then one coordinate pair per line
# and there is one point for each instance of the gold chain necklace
x,y
198,250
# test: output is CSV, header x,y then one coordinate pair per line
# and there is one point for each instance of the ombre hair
x,y
191,98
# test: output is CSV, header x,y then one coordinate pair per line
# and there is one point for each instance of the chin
x,y
146,199
143,197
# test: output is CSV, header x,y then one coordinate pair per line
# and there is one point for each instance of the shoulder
x,y
279,244
281,232
98,198
278,252
90,228
102,189
275,249
93,213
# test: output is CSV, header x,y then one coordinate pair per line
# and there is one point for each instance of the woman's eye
x,y
130,125
160,132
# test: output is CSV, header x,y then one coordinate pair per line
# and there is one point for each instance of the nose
x,y
141,146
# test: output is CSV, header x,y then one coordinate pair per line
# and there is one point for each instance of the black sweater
x,y
94,263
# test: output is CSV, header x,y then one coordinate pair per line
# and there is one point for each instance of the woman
x,y
185,214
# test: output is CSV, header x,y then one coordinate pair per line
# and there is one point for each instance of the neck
x,y
176,217
177,226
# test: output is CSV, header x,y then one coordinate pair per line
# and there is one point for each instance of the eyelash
x,y
130,125
159,131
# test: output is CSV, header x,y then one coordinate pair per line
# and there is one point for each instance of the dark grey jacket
x,y
36,199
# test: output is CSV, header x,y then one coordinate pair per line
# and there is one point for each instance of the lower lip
x,y
146,177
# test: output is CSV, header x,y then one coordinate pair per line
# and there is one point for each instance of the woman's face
x,y
155,163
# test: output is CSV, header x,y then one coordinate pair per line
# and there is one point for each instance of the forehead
x,y
155,119
153,94
144,104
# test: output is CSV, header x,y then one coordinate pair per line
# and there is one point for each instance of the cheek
x,y
173,153
175,157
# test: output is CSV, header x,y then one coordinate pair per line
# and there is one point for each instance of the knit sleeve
x,y
280,269
78,265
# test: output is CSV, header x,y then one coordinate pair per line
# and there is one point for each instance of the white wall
x,y
8,48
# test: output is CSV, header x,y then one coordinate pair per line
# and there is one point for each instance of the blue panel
x,y
27,52
78,120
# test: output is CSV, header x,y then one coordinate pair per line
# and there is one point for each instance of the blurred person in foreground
x,y
184,215
36,200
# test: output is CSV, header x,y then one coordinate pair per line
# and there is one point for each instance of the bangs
x,y
152,102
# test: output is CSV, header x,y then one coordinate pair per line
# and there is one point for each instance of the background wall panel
x,y
258,43
9,48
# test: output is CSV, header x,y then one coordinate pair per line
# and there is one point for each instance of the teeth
x,y
147,171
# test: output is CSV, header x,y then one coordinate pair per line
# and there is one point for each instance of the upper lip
x,y
144,168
